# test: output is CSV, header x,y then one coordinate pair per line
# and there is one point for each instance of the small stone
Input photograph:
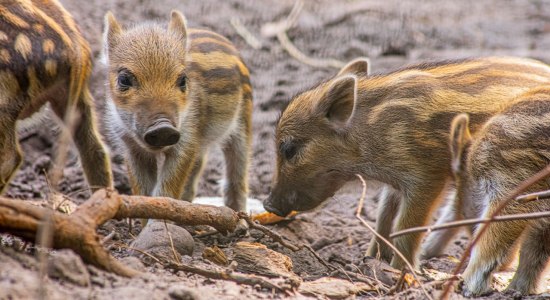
x,y
154,240
182,293
66,265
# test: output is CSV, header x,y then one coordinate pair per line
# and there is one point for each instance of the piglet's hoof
x,y
155,240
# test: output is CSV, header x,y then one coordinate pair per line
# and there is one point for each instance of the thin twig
x,y
140,251
505,218
176,258
544,173
362,278
379,236
326,264
275,236
44,239
248,37
108,237
398,286
226,274
533,196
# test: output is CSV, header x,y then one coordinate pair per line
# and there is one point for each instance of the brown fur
x,y
511,147
214,106
44,58
392,128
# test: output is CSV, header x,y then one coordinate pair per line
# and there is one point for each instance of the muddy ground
x,y
391,33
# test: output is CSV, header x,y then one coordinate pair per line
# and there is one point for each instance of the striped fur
x,y
44,58
214,107
512,146
393,128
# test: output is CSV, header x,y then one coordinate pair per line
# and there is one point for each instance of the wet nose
x,y
268,205
162,134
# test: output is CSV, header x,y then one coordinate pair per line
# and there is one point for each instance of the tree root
x,y
78,230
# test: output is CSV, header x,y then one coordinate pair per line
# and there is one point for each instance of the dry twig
x,y
227,274
395,250
526,216
274,235
544,173
534,196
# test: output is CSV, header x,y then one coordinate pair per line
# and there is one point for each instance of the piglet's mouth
x,y
270,208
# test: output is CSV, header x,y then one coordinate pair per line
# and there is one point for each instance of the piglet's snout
x,y
162,134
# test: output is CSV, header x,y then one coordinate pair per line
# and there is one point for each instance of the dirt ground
x,y
391,33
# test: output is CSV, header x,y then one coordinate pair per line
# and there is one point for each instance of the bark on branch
x,y
78,230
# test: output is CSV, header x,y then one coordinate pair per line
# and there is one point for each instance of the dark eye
x,y
125,80
182,82
288,150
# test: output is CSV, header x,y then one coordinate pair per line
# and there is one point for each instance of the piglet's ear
x,y
460,138
339,101
356,66
178,24
111,32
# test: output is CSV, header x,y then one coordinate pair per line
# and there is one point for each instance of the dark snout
x,y
162,134
277,207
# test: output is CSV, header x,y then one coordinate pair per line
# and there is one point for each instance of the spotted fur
x,y
44,58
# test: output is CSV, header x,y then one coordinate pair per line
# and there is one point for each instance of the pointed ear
x,y
178,24
111,32
339,101
356,66
460,138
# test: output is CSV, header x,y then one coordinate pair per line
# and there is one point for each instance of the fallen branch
x,y
230,275
544,173
78,230
505,218
378,235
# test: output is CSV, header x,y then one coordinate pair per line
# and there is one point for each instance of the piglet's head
x,y
147,78
317,151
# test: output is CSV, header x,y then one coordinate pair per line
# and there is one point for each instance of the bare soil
x,y
391,33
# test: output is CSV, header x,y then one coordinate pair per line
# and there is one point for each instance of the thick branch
x,y
78,231
224,219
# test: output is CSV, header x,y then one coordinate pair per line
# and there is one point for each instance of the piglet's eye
x,y
182,82
125,80
288,150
